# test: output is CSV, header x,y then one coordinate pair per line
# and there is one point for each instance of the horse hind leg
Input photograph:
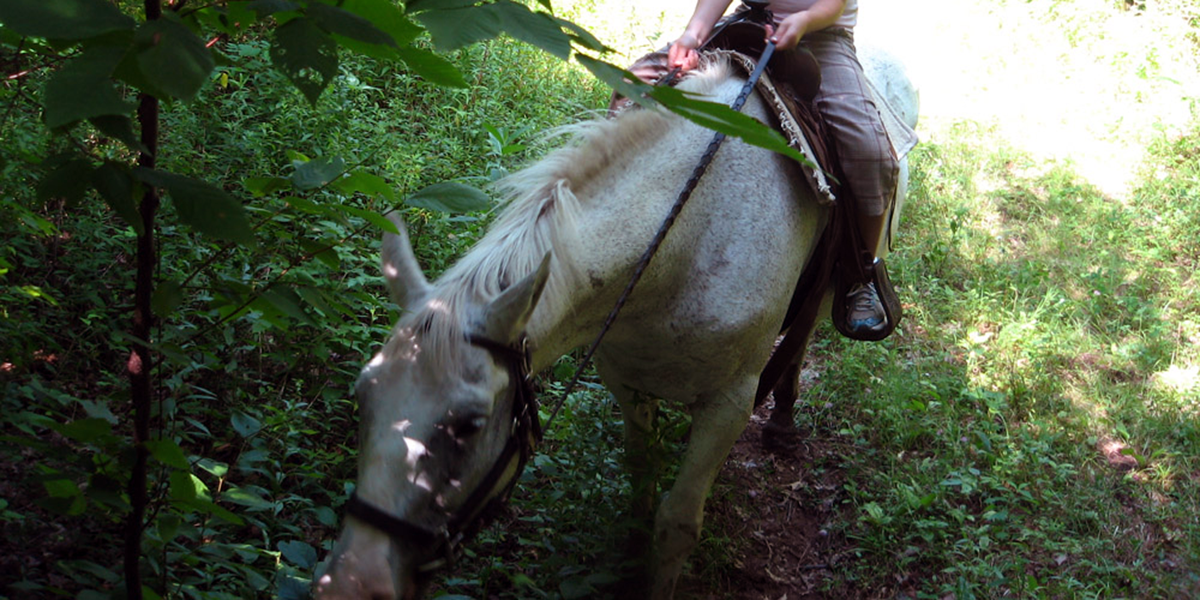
x,y
779,433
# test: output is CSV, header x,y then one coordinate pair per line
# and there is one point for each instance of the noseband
x,y
525,432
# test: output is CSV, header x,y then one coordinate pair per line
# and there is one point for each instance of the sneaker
x,y
864,311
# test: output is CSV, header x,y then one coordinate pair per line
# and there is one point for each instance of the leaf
x,y
202,206
287,302
68,180
345,23
363,182
724,119
432,67
119,127
245,497
86,431
262,186
298,553
167,296
269,7
454,29
83,89
168,453
115,185
306,55
536,28
385,15
244,424
186,487
421,5
323,252
317,172
450,197
583,37
621,81
172,58
372,217
63,19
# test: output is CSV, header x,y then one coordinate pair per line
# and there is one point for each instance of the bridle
x,y
525,433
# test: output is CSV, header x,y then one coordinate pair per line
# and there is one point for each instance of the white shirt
x,y
783,8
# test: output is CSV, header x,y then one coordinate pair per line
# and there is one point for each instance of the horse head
x,y
444,429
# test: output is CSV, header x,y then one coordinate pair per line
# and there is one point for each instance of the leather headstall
x,y
525,433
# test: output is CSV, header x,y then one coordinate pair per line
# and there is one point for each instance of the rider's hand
x,y
789,32
683,52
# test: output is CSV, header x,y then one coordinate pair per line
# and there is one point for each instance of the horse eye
x,y
464,428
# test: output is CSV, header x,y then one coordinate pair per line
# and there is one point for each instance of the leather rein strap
x,y
525,433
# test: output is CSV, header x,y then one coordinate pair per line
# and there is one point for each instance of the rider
x,y
869,164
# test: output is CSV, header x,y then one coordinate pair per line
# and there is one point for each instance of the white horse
x,y
437,402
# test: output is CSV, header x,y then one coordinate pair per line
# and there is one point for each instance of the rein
x,y
684,195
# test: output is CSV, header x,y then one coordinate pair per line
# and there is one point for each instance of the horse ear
x,y
507,315
404,278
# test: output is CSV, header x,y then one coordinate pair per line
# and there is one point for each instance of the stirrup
x,y
877,275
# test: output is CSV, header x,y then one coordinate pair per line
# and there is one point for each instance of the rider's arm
x,y
820,15
683,50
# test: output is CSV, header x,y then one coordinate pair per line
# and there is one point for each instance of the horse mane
x,y
540,214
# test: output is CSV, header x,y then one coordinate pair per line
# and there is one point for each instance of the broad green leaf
x,y
536,28
86,431
298,553
348,24
185,486
322,252
621,81
202,206
306,55
245,497
360,181
432,66
269,7
385,15
287,302
172,58
317,172
168,453
244,424
216,468
451,197
63,19
724,119
167,296
262,186
116,186
61,488
84,89
168,526
454,29
372,217
68,179
583,37
306,205
119,127
421,5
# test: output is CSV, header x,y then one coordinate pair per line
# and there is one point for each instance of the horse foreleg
x,y
717,421
642,459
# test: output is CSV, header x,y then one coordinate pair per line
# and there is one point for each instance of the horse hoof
x,y
780,439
